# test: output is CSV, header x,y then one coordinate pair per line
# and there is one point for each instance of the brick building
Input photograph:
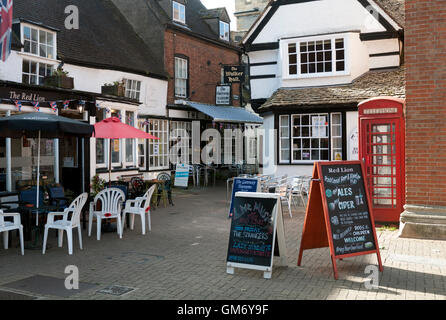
x,y
194,44
425,211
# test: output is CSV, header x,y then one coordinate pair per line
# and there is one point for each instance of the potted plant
x,y
59,79
116,88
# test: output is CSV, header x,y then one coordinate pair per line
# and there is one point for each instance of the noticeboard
x,y
223,95
339,214
256,230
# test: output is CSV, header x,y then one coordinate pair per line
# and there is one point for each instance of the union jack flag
x,y
18,105
36,106
66,104
5,28
53,106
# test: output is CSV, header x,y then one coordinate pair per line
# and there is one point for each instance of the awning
x,y
226,114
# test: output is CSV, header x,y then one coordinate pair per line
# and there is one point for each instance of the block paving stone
x,y
184,256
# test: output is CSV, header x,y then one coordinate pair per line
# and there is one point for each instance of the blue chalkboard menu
x,y
242,185
252,232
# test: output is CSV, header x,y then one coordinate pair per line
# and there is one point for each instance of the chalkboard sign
x,y
252,239
348,210
339,214
242,185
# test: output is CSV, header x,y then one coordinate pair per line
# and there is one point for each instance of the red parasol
x,y
113,128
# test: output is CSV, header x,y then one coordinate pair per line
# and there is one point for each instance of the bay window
x,y
319,56
305,138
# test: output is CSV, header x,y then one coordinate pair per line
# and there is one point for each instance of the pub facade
x,y
82,74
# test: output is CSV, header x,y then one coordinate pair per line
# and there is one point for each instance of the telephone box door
x,y
382,150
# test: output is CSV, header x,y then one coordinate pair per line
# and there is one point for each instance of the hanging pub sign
x,y
233,74
257,233
223,95
339,213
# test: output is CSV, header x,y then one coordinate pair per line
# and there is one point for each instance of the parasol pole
x,y
38,178
110,163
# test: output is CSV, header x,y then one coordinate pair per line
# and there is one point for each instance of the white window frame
x,y
142,155
132,163
181,12
133,89
309,137
298,41
226,34
53,54
335,137
181,76
160,129
281,137
106,146
121,145
185,134
37,74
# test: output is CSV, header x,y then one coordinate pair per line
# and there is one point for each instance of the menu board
x,y
242,185
252,232
348,211
339,214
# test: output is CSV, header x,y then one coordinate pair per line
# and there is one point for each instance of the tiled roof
x,y
372,84
104,39
394,8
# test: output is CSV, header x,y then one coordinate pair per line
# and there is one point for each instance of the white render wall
x,y
153,91
317,17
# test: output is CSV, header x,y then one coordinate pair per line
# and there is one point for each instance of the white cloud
x,y
230,7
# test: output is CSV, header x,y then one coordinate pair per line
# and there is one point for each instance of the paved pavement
x,y
184,258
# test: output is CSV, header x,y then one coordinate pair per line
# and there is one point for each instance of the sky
x,y
230,7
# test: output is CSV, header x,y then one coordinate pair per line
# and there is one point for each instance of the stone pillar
x,y
425,55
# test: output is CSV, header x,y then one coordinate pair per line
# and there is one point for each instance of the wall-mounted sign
x,y
223,95
234,74
380,110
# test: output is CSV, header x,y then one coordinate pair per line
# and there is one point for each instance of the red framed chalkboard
x,y
339,214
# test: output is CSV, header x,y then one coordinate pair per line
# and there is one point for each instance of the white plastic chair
x,y
140,206
6,226
66,224
111,200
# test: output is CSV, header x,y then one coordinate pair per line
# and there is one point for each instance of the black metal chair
x,y
164,188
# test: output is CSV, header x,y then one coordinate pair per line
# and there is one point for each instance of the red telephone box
x,y
381,148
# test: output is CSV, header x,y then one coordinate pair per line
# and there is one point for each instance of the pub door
x,y
382,151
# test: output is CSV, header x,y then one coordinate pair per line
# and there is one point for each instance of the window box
x,y
59,81
117,89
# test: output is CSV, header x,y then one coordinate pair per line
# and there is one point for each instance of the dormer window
x,y
224,31
39,42
179,12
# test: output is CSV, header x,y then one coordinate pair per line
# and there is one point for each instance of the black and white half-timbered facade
x,y
311,63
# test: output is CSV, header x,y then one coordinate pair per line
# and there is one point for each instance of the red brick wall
x,y
204,66
425,49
